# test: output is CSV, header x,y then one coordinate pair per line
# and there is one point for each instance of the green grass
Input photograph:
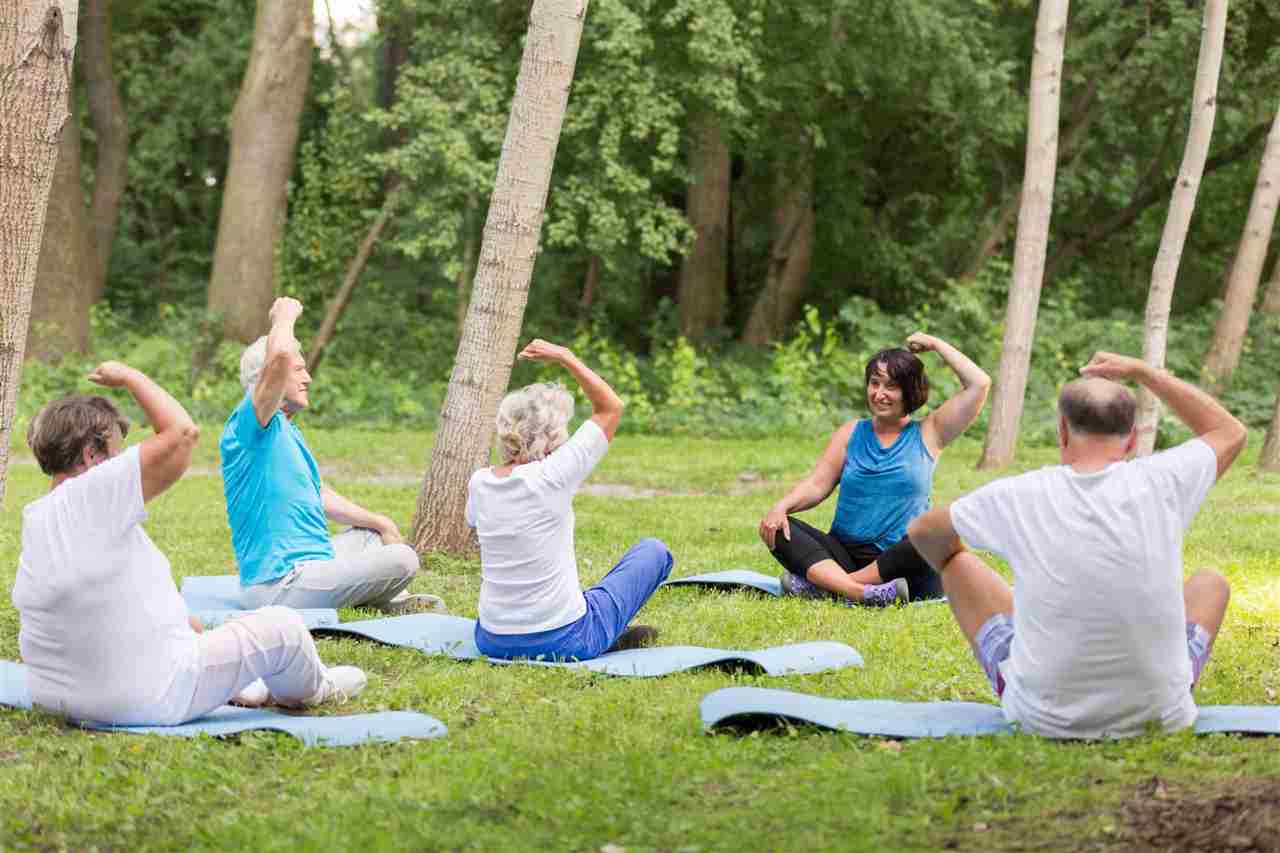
x,y
559,760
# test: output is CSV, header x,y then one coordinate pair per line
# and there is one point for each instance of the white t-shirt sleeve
x,y
573,461
470,513
1187,472
106,501
983,518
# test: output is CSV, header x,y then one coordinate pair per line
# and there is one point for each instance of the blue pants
x,y
610,606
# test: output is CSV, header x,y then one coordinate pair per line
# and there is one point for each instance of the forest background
x,y
748,199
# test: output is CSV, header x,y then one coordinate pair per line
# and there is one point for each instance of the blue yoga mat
x,y
454,636
755,707
216,598
748,579
348,730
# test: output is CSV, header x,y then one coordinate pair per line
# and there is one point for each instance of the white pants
x,y
272,644
363,571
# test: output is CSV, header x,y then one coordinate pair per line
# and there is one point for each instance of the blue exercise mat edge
x,y
887,718
331,731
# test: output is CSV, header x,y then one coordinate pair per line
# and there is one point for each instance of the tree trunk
x,y
704,274
1165,272
1246,270
37,38
1271,302
340,302
111,173
487,349
61,299
469,259
790,256
264,137
1033,234
590,284
1270,458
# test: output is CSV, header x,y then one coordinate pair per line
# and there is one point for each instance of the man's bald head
x,y
1096,406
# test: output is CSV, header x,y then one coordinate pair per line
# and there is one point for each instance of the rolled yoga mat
x,y
216,598
454,636
348,730
758,707
748,579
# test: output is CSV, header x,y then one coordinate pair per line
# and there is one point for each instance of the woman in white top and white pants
x,y
531,604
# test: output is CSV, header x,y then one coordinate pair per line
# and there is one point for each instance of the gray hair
x,y
252,361
533,421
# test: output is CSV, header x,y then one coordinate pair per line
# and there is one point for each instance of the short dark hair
x,y
1092,413
65,427
906,371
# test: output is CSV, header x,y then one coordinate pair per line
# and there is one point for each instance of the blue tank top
x,y
882,488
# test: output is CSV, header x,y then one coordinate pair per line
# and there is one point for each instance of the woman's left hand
x,y
920,342
540,350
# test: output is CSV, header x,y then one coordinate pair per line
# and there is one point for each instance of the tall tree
x,y
62,296
1269,460
1246,270
704,274
1271,302
1164,274
37,40
508,250
790,252
111,134
264,138
1033,234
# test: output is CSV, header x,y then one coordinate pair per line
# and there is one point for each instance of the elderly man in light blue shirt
x,y
278,508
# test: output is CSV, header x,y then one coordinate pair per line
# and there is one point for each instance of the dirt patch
x,y
1241,815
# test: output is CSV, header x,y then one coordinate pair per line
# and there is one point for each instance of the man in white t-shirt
x,y
104,634
1099,636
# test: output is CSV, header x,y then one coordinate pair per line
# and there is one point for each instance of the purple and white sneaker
x,y
794,585
884,594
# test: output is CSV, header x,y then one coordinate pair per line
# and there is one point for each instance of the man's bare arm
x,y
282,349
346,511
934,536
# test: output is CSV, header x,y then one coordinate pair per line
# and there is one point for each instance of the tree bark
x,y
1164,274
37,38
1270,458
790,256
62,296
264,136
342,299
111,173
590,284
487,349
704,275
1033,234
1246,269
1271,302
469,259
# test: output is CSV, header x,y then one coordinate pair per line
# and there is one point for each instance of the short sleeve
x,y
106,501
470,512
1185,472
982,518
573,461
244,423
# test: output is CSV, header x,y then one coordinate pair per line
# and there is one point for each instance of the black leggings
x,y
809,545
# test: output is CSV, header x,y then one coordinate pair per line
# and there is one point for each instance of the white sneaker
x,y
418,603
341,684
253,696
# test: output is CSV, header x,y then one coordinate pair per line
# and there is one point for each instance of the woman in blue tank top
x,y
884,467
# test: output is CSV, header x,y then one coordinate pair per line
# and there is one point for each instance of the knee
x,y
406,559
656,552
286,619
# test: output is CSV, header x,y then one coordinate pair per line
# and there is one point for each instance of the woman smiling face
x,y
884,395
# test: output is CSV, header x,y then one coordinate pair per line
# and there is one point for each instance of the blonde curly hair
x,y
533,421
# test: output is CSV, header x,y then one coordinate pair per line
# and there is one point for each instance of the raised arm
x,y
164,456
606,405
810,491
1204,415
346,511
282,357
956,415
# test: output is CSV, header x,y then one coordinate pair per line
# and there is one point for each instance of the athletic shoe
x,y
793,584
635,637
254,696
341,684
419,603
884,594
